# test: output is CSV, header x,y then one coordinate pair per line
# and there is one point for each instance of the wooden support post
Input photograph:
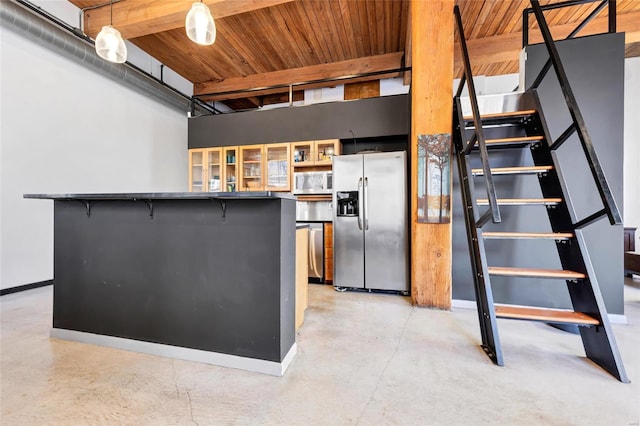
x,y
432,46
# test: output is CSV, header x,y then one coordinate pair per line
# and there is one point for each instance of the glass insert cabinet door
x,y
197,171
214,170
251,168
277,168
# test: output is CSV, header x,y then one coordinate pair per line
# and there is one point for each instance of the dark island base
x,y
205,279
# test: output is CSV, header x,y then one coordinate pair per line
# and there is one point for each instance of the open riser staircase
x,y
477,138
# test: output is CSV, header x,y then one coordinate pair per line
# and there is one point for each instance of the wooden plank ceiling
x,y
265,43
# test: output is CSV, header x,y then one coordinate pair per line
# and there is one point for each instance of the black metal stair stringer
x,y
482,285
599,342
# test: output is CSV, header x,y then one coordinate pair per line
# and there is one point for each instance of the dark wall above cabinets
x,y
366,118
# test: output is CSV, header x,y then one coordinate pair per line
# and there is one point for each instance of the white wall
x,y
65,129
632,143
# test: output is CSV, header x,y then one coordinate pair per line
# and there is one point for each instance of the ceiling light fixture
x,y
109,43
199,24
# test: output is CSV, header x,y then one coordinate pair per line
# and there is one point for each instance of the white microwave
x,y
312,182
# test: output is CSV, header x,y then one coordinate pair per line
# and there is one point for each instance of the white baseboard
x,y
177,352
471,304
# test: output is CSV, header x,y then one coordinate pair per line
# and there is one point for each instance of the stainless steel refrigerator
x,y
370,221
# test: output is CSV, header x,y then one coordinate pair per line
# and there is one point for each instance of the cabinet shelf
x,y
252,177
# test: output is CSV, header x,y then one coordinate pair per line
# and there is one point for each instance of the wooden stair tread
x,y
504,114
535,273
518,139
546,315
534,235
513,170
521,201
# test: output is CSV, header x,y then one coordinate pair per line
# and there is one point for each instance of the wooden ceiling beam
x,y
143,17
311,74
406,78
507,47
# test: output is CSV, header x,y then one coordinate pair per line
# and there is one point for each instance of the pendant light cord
x,y
111,19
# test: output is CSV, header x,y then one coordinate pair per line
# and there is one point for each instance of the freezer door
x,y
348,238
386,222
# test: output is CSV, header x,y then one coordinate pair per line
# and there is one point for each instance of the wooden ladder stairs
x,y
588,312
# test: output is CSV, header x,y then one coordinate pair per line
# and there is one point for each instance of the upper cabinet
x,y
278,175
214,169
266,167
230,155
205,170
251,168
196,170
314,153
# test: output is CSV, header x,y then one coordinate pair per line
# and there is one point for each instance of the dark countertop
x,y
251,195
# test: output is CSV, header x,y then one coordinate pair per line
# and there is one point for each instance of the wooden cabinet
x,y
325,150
230,157
277,168
250,167
213,161
196,170
328,252
265,167
205,170
314,153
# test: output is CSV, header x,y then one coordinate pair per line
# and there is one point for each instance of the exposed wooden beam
x,y
632,50
431,113
507,47
143,17
406,78
335,70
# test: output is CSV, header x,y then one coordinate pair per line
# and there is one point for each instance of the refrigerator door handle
x,y
360,204
366,204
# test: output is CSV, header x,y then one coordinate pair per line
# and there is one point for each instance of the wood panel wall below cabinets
x,y
328,252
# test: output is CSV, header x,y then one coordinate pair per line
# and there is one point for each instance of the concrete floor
x,y
362,359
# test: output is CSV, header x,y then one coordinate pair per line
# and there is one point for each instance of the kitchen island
x,y
206,277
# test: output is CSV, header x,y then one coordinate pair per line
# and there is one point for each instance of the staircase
x,y
528,125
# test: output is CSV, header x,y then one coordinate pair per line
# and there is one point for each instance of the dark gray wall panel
x,y
595,66
383,116
188,277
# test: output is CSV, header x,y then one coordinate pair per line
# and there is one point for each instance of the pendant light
x,y
199,24
109,43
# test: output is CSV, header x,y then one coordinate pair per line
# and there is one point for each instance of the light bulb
x,y
199,25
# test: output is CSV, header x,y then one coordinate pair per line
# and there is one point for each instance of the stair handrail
x,y
478,137
579,125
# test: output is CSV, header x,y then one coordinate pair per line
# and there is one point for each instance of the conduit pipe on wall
x,y
45,33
